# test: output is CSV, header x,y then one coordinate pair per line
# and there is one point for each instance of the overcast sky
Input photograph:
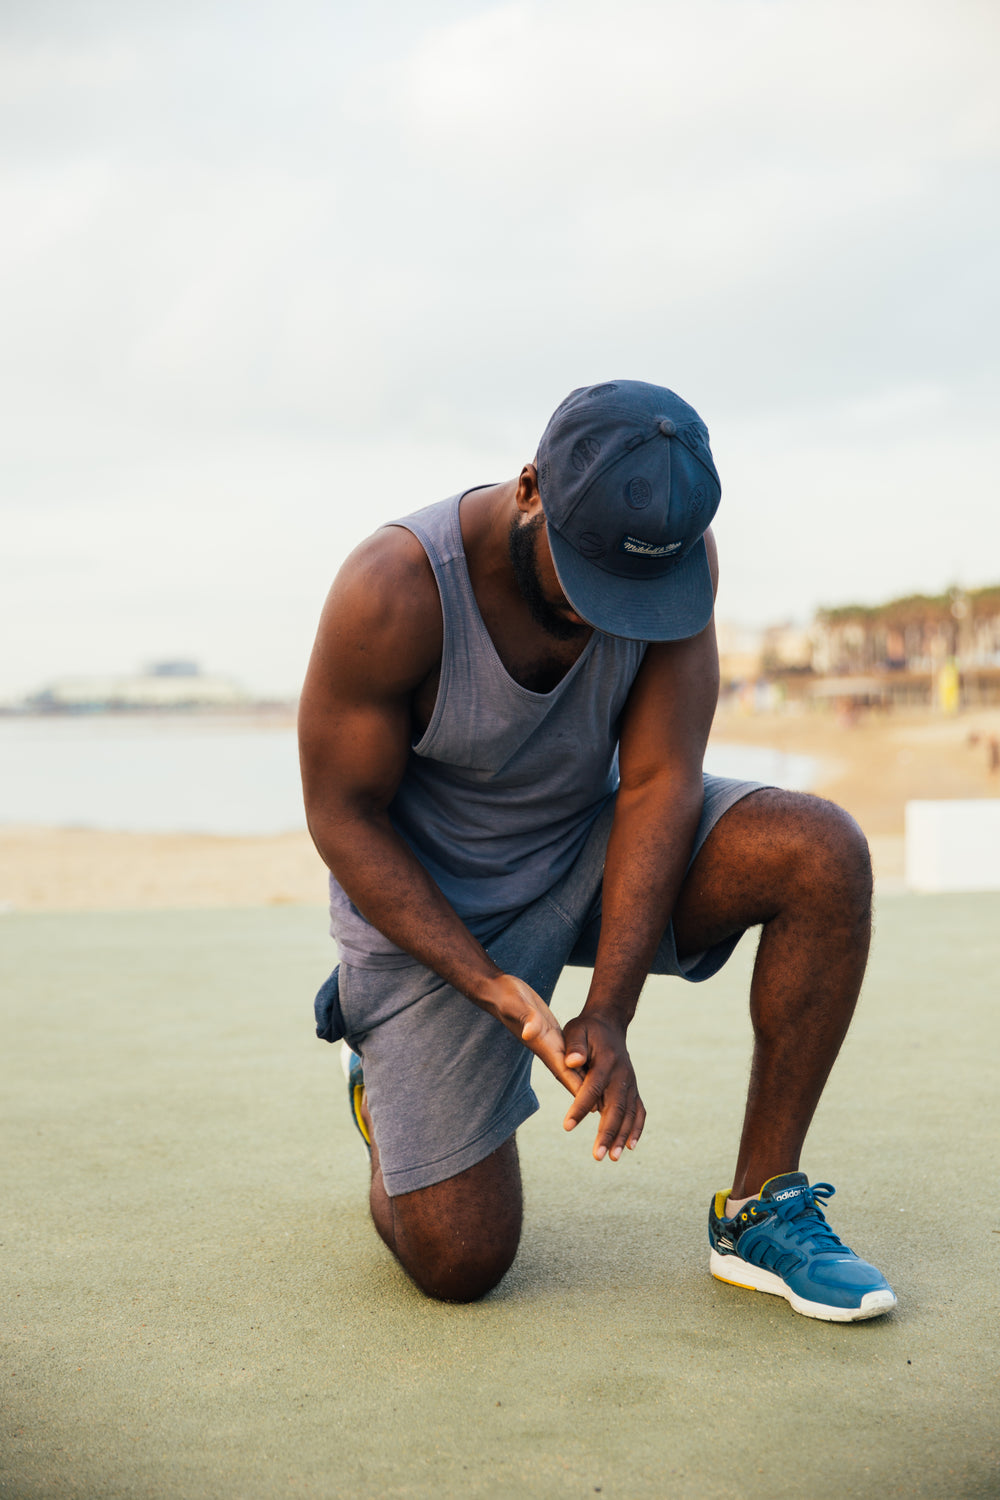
x,y
272,274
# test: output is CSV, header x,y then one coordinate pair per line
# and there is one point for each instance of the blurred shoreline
x,y
874,761
871,763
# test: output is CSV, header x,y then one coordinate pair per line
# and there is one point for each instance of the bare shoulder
x,y
382,619
389,576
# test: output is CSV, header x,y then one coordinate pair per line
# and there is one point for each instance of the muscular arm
x,y
656,814
379,640
664,733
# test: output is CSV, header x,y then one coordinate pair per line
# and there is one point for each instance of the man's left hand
x,y
595,1045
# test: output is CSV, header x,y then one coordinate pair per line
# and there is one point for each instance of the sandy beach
x,y
872,766
876,763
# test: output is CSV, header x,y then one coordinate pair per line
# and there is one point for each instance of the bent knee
x,y
463,1278
458,1272
833,860
458,1238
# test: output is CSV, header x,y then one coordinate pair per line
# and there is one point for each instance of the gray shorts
x,y
447,1084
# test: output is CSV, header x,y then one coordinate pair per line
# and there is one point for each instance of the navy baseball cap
x,y
629,487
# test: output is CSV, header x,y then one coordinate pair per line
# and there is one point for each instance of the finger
x,y
626,1128
637,1129
615,1106
631,1127
588,1098
577,1044
546,1042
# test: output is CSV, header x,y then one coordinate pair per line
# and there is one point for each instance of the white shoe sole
x,y
737,1272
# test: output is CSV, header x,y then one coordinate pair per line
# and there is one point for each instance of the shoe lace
x,y
805,1218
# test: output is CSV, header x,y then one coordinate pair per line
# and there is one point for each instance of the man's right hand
x,y
526,1014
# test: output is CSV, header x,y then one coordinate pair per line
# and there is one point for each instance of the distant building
x,y
916,633
920,650
787,648
163,685
746,655
173,669
741,653
909,650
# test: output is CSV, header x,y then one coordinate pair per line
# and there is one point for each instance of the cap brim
x,y
670,608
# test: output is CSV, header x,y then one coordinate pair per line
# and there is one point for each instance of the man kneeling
x,y
502,733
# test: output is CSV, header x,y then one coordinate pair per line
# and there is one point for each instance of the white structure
x,y
953,846
165,685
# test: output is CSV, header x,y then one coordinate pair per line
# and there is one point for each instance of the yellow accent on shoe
x,y
730,1282
721,1200
356,1099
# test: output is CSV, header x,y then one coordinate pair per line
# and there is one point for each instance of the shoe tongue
x,y
790,1185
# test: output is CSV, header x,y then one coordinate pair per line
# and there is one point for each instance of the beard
x,y
523,544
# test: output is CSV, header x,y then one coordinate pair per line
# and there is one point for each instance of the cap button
x,y
668,428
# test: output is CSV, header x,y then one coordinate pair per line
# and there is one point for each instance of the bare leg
x,y
799,866
457,1238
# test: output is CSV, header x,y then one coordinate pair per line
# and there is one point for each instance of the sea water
x,y
177,774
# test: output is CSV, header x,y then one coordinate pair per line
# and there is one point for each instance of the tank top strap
x,y
439,531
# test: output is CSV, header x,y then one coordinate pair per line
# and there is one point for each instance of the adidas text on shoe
x,y
781,1243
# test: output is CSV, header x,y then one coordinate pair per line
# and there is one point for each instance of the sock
x,y
733,1205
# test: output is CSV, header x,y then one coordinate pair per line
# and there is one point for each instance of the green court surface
x,y
194,1303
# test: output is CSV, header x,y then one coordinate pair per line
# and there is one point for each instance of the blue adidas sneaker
x,y
354,1073
780,1242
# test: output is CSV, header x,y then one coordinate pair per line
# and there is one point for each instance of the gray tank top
x,y
501,790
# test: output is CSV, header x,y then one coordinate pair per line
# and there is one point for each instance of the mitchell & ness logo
x,y
638,547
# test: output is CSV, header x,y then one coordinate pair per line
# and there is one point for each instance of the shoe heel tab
x,y
720,1202
357,1098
